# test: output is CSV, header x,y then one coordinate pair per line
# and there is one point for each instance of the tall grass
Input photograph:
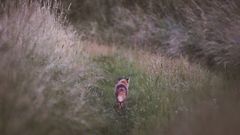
x,y
43,72
53,82
204,31
166,96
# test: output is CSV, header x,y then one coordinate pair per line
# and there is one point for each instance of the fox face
x,y
121,91
124,81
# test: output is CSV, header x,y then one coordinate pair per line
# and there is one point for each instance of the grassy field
x,y
162,91
53,82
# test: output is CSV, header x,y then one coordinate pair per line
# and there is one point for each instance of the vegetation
x,y
55,80
44,73
165,95
204,31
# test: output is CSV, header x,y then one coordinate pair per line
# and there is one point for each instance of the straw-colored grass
x,y
43,71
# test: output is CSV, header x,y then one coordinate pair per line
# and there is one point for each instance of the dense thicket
x,y
205,31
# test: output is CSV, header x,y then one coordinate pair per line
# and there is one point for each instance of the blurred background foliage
x,y
204,31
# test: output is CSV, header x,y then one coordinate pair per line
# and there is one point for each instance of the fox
x,y
121,91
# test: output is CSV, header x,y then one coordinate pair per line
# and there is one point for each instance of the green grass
x,y
153,101
156,101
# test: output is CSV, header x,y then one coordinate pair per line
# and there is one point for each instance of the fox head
x,y
124,81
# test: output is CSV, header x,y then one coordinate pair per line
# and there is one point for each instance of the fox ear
x,y
128,79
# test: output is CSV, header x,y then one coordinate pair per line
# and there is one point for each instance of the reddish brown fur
x,y
121,92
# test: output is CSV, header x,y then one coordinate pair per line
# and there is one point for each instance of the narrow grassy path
x,y
160,89
151,101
